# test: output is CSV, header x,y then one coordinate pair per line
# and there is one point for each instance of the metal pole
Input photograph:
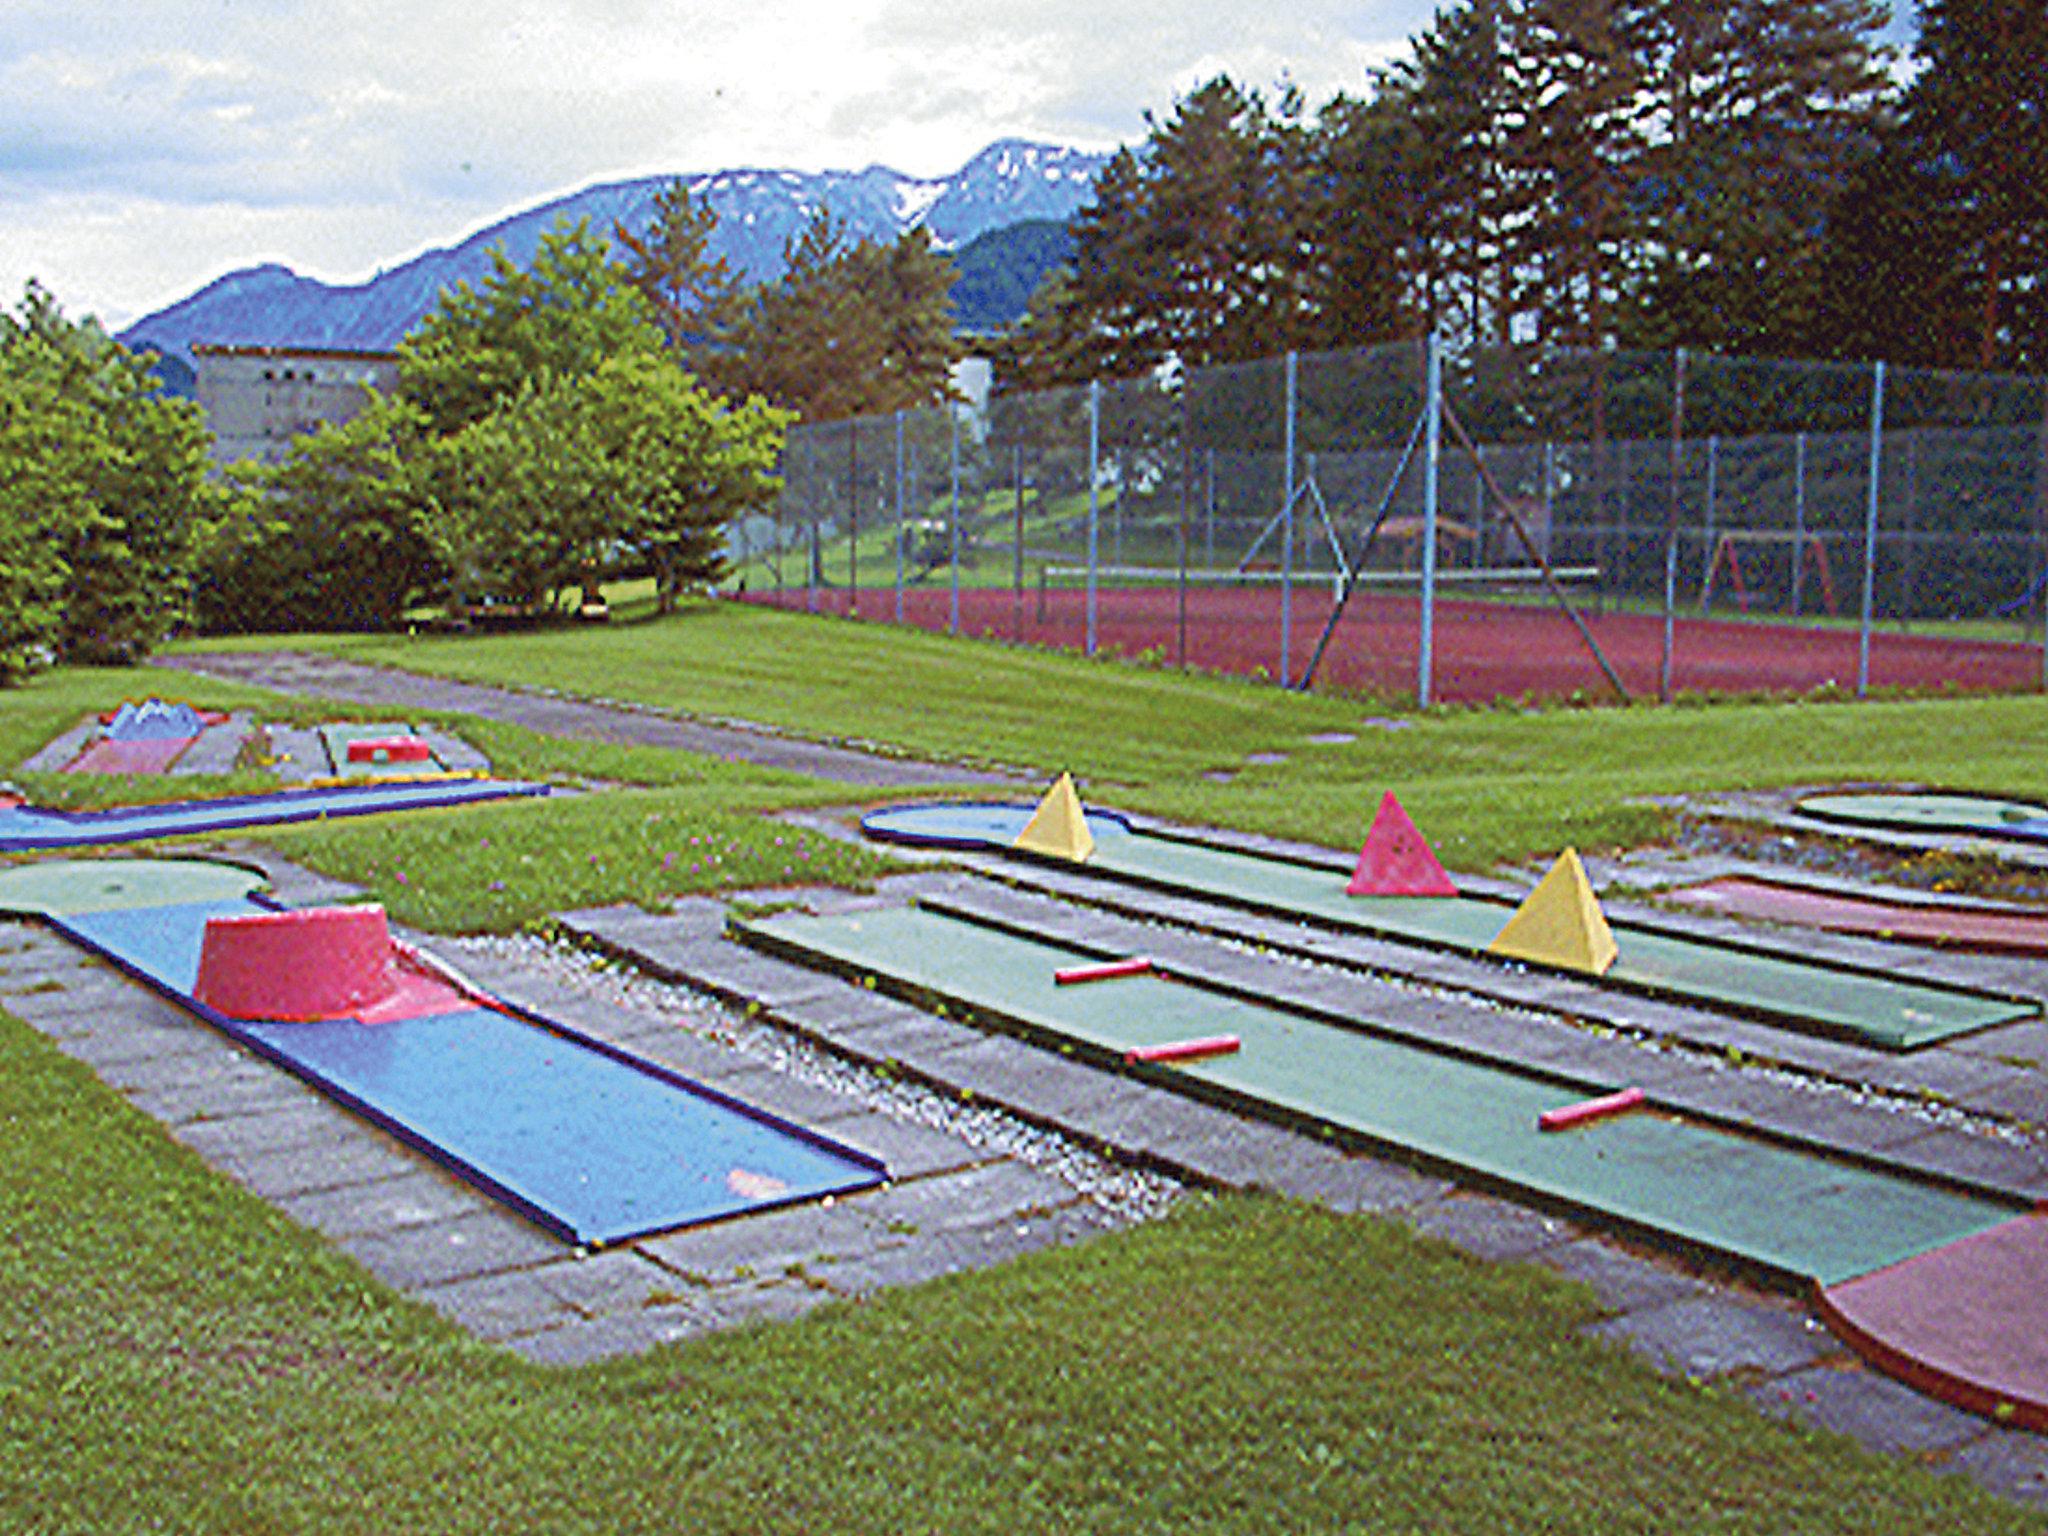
x,y
953,564
1870,530
1798,519
1209,512
853,519
899,517
1017,559
1287,536
1094,500
1432,455
1664,681
1707,527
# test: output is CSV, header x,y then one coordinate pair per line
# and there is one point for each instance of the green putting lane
x,y
1792,1212
1869,1006
1932,811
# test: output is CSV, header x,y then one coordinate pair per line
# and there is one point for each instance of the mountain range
x,y
1000,214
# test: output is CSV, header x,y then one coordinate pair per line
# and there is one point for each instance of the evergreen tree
x,y
1939,253
1572,151
690,291
852,328
1765,110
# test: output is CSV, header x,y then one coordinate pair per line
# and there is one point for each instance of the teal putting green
x,y
1965,815
1871,1006
1793,1212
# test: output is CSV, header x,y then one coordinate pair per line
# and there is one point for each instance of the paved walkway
x,y
328,677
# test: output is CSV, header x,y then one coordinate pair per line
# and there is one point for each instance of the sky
x,y
148,148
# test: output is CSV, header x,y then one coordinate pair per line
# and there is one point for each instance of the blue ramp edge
x,y
583,1139
970,824
26,829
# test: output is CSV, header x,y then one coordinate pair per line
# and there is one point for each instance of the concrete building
x,y
257,399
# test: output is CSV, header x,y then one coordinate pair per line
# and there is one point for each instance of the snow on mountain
x,y
759,211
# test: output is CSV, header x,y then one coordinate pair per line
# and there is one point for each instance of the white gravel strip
x,y
1128,1195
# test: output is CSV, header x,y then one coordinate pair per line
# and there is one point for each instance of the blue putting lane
x,y
27,829
590,1142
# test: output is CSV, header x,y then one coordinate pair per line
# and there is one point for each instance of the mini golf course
x,y
1865,1005
588,1142
1931,811
356,750
1936,924
1866,1234
27,829
143,738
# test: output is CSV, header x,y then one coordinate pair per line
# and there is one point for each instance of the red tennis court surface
x,y
1957,925
1484,650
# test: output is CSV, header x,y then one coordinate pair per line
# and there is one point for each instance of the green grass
x,y
174,1354
1485,784
681,824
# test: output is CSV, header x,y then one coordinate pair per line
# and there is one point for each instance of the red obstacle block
x,y
1569,1115
388,749
1185,1050
1105,971
315,963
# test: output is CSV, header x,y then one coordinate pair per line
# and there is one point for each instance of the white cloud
x,y
145,150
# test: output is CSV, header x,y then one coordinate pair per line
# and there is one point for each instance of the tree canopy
x,y
102,486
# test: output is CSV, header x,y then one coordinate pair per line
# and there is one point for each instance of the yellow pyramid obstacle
x,y
1059,827
1560,923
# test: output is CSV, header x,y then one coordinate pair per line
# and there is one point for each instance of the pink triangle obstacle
x,y
1396,861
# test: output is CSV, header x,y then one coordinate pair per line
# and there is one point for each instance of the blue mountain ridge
x,y
1009,183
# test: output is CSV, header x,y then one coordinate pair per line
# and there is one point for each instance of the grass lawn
x,y
175,1354
1485,785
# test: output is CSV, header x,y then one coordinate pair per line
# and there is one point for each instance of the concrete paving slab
x,y
619,1280
417,1197
477,1243
969,1198
1624,1281
1714,1334
1359,1183
909,1150
210,1100
1490,1228
1873,1409
765,1245
577,1341
2010,1462
499,1305
342,1162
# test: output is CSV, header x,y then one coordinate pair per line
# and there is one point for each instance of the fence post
x,y
953,564
1094,499
1707,526
1017,558
853,518
899,517
1433,407
1798,520
1870,531
1287,535
1665,675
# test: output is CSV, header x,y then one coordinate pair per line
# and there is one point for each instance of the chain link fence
x,y
1496,523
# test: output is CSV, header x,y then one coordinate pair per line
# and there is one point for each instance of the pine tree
x,y
852,328
1572,151
690,291
1765,110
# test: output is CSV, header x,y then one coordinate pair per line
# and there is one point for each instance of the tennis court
x,y
1485,648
